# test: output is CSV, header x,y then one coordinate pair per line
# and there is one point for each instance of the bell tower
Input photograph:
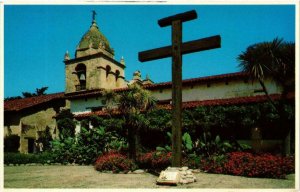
x,y
94,66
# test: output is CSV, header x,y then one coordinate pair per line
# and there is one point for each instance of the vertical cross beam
x,y
176,92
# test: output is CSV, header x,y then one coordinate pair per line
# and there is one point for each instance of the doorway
x,y
30,145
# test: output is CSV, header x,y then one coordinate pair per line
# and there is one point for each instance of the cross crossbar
x,y
186,48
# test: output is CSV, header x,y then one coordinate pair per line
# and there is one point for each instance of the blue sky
x,y
36,38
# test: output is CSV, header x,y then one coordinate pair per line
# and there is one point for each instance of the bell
x,y
82,77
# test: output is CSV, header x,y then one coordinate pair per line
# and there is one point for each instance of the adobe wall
x,y
33,122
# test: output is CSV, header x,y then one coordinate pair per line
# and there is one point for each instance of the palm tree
x,y
131,103
274,59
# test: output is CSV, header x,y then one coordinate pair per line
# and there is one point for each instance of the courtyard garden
x,y
101,152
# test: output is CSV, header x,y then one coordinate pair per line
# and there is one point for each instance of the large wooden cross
x,y
176,51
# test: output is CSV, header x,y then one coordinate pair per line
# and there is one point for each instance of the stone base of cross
x,y
176,50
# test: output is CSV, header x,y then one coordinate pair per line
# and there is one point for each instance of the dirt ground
x,y
57,176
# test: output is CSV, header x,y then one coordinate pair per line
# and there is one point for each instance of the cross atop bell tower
x,y
94,15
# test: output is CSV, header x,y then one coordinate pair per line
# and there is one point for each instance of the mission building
x,y
94,69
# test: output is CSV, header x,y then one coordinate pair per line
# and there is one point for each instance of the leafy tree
x,y
275,59
131,103
46,138
38,92
41,91
28,94
65,124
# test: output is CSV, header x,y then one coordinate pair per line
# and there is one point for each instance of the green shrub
x,y
192,161
64,151
19,158
115,162
66,128
87,146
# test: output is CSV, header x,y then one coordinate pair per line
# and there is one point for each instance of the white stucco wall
x,y
196,92
84,105
217,90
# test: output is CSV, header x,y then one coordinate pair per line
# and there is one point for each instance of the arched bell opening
x,y
81,74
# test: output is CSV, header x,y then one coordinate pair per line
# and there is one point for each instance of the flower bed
x,y
155,160
115,162
250,165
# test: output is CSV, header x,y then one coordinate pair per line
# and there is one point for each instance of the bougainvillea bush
x,y
155,160
115,162
250,165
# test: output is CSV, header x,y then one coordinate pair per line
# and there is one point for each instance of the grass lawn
x,y
86,177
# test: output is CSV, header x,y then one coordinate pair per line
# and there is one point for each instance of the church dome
x,y
93,38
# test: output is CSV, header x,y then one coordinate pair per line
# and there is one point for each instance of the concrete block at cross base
x,y
169,177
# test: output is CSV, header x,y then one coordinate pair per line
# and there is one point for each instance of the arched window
x,y
81,74
117,74
108,69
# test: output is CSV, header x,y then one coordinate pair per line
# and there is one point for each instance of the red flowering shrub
x,y
155,160
115,162
250,165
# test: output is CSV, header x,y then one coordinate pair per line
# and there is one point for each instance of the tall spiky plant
x,y
131,103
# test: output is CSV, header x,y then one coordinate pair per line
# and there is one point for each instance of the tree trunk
x,y
287,144
132,142
267,94
286,141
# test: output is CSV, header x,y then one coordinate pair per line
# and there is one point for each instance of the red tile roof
x,y
214,102
85,93
91,93
227,76
230,101
19,104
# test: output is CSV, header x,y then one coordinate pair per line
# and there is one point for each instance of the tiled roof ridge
x,y
19,104
84,93
197,79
